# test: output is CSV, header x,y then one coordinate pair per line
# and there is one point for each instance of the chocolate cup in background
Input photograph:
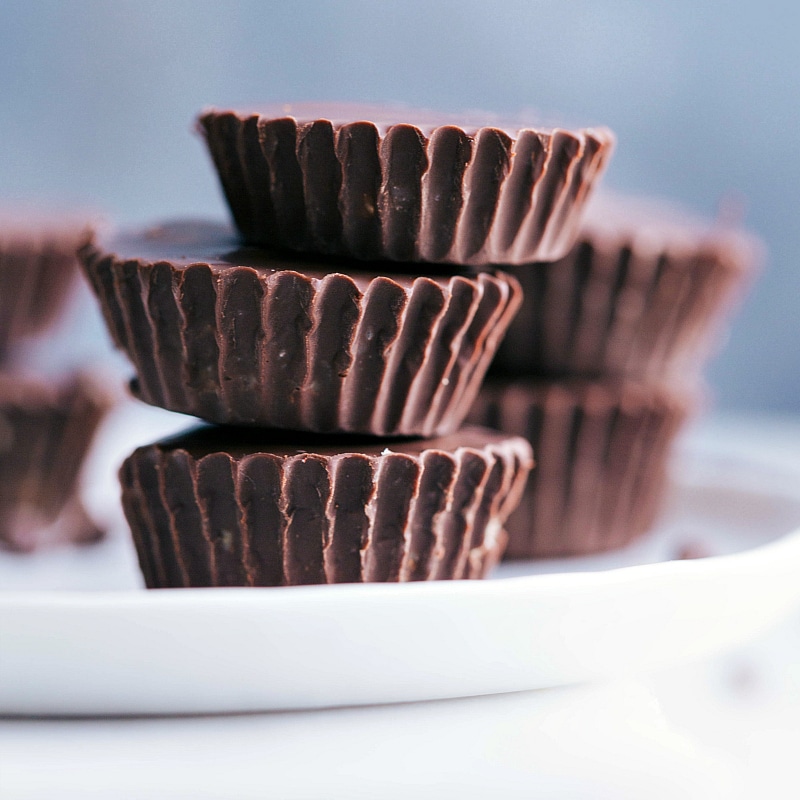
x,y
45,433
602,451
238,507
643,294
324,179
38,267
234,335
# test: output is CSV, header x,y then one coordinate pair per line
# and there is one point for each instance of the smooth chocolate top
x,y
240,442
182,243
386,116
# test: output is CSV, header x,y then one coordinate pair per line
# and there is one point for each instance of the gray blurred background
x,y
97,101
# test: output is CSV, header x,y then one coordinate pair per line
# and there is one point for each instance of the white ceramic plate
x,y
220,650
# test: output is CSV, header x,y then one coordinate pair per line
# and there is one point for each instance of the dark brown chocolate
x,y
38,264
45,433
236,335
244,507
642,294
407,186
602,452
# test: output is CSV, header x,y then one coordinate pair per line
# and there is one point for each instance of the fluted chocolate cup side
x,y
396,512
437,191
287,347
602,453
45,433
634,298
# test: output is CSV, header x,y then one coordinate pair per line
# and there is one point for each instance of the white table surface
x,y
728,727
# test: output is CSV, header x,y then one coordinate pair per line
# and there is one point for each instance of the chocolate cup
x,y
38,265
234,507
642,295
602,451
45,434
325,180
238,336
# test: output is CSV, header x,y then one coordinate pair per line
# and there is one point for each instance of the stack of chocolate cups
x,y
46,426
337,341
603,365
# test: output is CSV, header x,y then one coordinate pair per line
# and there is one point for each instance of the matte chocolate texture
x,y
45,433
234,507
641,295
327,180
602,452
236,335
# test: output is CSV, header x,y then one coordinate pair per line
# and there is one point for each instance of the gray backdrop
x,y
97,101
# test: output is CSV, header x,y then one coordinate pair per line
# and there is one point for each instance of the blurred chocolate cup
x,y
644,294
38,267
45,433
602,450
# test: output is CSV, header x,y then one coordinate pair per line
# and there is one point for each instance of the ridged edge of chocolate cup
x,y
623,303
602,452
269,520
46,433
406,193
38,265
399,358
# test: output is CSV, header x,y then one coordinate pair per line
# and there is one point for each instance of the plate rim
x,y
536,624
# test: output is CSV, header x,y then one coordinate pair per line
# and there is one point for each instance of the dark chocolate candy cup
x,y
38,264
642,295
247,338
45,433
602,452
227,507
320,179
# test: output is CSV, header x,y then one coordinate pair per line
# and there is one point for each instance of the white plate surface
x,y
127,651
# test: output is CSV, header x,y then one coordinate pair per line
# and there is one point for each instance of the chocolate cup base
x,y
24,529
